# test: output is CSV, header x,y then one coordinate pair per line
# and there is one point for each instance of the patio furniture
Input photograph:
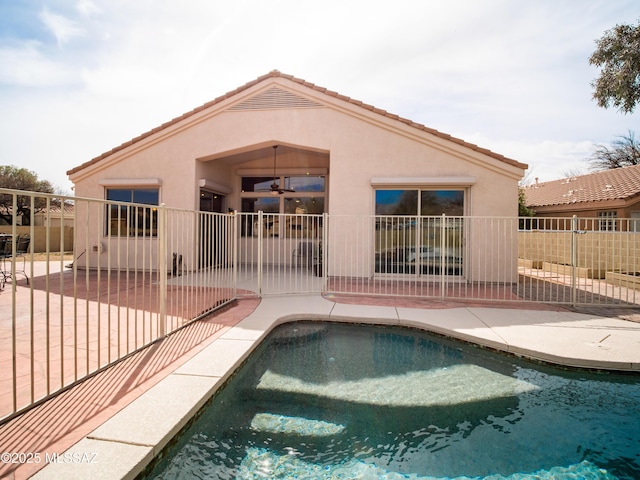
x,y
3,241
22,247
4,238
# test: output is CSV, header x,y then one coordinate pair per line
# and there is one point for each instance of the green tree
x,y
624,151
523,210
618,54
21,179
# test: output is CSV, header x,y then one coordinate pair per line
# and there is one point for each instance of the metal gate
x,y
280,254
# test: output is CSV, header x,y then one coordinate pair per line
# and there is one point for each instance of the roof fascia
x,y
414,131
164,131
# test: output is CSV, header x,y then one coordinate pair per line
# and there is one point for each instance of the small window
x,y
634,224
256,184
607,221
132,220
306,183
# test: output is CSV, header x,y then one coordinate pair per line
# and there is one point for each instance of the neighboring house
x,y
56,216
47,236
341,156
602,196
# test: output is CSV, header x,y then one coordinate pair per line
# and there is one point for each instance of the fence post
x,y
234,253
324,249
442,249
162,266
260,231
574,257
14,313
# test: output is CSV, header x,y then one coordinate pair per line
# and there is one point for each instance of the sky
x,y
80,77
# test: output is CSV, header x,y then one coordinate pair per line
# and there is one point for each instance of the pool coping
x,y
123,446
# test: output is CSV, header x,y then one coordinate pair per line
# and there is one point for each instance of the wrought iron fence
x,y
138,272
280,253
555,260
135,274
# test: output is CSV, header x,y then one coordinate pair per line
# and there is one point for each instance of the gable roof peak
x,y
278,74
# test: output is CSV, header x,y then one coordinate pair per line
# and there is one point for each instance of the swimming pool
x,y
322,400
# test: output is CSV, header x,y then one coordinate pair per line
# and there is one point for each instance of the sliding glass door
x,y
419,231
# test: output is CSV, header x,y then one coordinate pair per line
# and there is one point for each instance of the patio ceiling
x,y
266,152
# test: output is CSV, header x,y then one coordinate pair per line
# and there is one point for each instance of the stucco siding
x,y
348,143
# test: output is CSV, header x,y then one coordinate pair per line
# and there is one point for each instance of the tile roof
x,y
276,73
617,184
69,209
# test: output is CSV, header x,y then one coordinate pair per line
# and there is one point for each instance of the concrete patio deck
x,y
125,438
111,422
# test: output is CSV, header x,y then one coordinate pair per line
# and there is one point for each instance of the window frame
x,y
140,218
285,180
419,198
402,258
607,221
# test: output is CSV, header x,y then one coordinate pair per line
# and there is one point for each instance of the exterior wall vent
x,y
275,97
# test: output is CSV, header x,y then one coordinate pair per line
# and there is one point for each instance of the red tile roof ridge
x,y
277,73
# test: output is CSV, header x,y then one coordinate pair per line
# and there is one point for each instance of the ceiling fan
x,y
275,187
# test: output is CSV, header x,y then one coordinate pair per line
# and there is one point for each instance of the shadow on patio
x,y
69,416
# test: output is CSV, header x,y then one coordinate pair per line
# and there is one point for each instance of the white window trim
x,y
284,172
422,182
130,182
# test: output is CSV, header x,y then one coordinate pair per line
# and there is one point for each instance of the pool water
x,y
339,401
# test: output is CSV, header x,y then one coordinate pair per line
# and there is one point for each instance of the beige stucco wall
x,y
359,144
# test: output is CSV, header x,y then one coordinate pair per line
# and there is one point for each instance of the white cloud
x,y
25,65
547,159
516,72
87,8
128,81
62,28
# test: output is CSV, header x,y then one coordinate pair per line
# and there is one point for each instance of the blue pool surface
x,y
341,401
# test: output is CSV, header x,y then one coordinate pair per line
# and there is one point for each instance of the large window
x,y
299,195
412,237
132,220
